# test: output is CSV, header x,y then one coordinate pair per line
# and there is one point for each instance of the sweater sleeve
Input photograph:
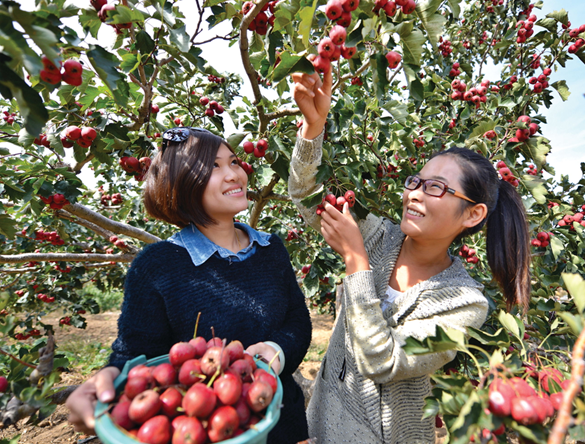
x,y
302,183
378,347
294,335
143,326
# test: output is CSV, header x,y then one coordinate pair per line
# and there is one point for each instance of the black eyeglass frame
x,y
446,188
179,134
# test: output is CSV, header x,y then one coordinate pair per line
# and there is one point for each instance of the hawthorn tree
x,y
409,79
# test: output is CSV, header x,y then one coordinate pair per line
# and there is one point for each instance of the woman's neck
x,y
224,234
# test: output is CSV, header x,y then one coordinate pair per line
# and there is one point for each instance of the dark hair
x,y
507,236
177,178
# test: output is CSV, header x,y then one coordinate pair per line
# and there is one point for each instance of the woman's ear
x,y
475,215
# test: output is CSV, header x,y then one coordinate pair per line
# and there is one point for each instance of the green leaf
x,y
482,128
30,103
574,322
235,139
561,16
417,90
510,323
455,8
562,89
539,148
281,166
144,42
7,226
499,339
556,246
379,66
306,21
129,62
432,23
313,200
576,288
289,64
124,14
412,47
180,38
536,187
441,341
105,64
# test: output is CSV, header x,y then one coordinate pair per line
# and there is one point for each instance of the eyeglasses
x,y
180,134
432,187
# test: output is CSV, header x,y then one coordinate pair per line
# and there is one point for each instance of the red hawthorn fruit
x,y
390,8
164,374
171,400
73,68
336,54
262,144
190,372
350,198
120,417
338,34
103,13
350,5
223,422
181,352
524,412
154,108
199,401
84,143
259,395
500,397
326,48
214,358
228,388
156,430
144,406
247,7
556,399
345,19
321,64
521,387
136,385
547,373
409,7
51,77
88,133
209,112
393,58
248,147
189,431
348,52
333,10
3,384
259,153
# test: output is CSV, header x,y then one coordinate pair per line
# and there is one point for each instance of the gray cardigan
x,y
365,371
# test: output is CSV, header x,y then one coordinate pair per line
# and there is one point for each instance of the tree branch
x,y
78,166
67,257
108,224
263,197
283,113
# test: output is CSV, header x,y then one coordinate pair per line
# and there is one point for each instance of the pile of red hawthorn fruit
x,y
469,254
515,397
568,219
83,136
262,20
506,173
71,74
331,48
259,149
214,107
207,392
337,202
8,117
137,167
541,240
390,7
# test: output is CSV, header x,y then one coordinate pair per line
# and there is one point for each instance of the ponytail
x,y
508,250
508,241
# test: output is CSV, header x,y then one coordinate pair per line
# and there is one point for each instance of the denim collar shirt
x,y
200,248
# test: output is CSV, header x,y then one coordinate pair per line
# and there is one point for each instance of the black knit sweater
x,y
254,300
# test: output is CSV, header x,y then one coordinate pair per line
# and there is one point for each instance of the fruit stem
x,y
272,360
196,325
16,359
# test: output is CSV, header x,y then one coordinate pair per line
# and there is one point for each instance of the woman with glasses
x,y
239,279
402,281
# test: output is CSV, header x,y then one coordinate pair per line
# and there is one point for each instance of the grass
x,y
316,352
107,300
84,355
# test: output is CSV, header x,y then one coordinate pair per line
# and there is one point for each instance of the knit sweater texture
x,y
368,389
254,300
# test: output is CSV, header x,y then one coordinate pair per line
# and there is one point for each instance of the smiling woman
x,y
402,282
209,267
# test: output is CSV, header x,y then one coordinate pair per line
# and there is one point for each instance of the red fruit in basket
x,y
165,374
243,369
135,386
181,352
263,375
228,388
214,358
214,342
259,395
200,345
145,406
199,401
156,430
190,372
120,417
189,431
235,351
243,411
223,423
141,370
251,361
171,400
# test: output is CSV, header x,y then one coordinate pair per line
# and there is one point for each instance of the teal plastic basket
x,y
109,433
